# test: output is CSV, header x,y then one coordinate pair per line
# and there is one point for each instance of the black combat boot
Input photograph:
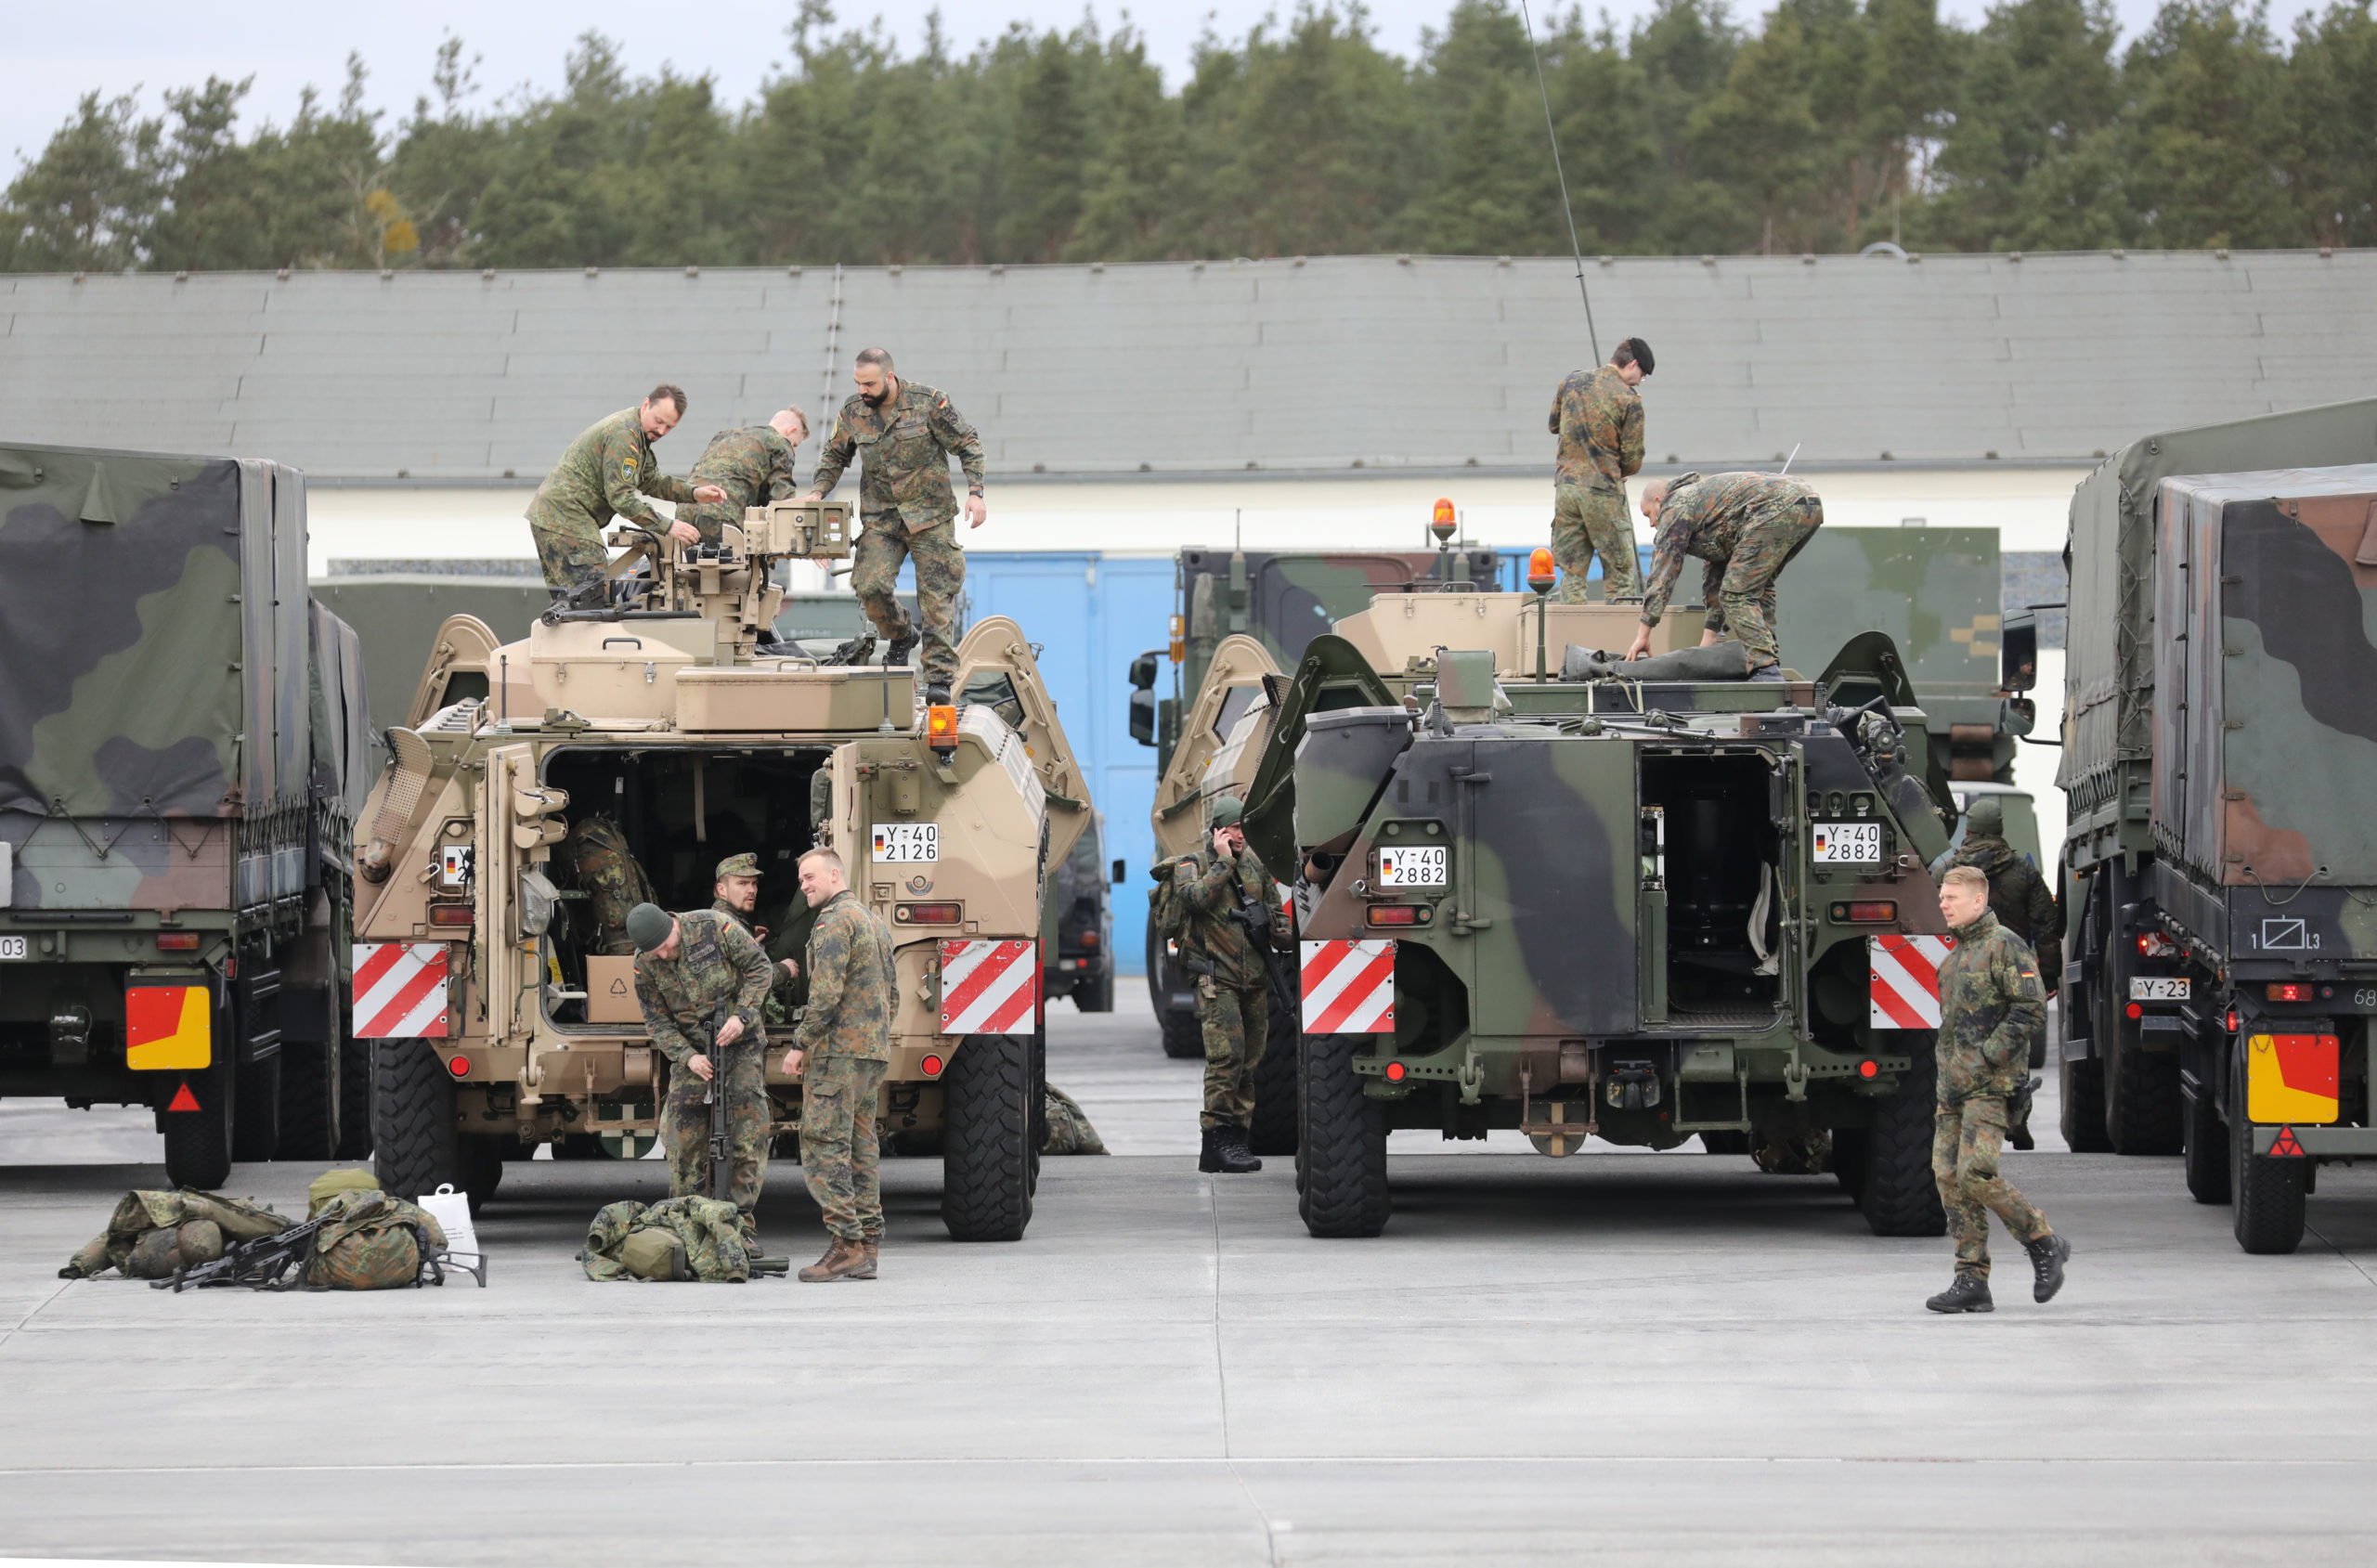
x,y
1209,1158
901,650
1969,1293
936,694
2047,1255
1230,1148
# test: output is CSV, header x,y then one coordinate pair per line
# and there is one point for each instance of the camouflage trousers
x,y
839,1154
1746,586
940,576
1965,1140
1237,1020
1589,522
685,1131
571,557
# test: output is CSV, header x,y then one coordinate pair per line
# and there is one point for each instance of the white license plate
x,y
13,946
454,865
1848,844
2157,988
1412,868
906,843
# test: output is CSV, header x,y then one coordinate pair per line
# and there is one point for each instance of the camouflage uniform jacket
x,y
605,473
716,959
1705,518
2018,897
1990,1003
906,445
1599,420
780,984
753,465
852,983
1211,891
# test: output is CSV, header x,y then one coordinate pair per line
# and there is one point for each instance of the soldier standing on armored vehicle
x,y
752,464
1746,527
908,433
844,1043
1598,417
606,473
1990,1003
2020,898
685,966
1228,898
735,895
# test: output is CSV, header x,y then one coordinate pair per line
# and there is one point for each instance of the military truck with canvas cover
x,y
183,732
2220,734
620,754
1643,904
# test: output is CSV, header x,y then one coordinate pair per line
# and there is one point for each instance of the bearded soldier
x,y
606,473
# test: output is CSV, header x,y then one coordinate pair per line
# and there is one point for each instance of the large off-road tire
x,y
1852,1151
198,1142
1184,1034
2142,1101
354,1094
2268,1193
987,1147
2206,1158
255,1116
309,1102
2082,1112
1274,1131
1344,1188
1899,1196
413,1138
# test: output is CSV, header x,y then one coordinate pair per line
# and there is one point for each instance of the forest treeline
x,y
1822,125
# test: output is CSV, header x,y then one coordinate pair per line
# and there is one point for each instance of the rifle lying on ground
x,y
278,1262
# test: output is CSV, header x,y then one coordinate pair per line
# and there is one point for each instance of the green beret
x,y
648,927
745,864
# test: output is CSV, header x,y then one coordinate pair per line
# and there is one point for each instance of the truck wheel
x,y
413,1139
2083,1115
1345,1191
1099,997
198,1142
308,1102
1851,1148
2268,1213
1274,1132
1900,1198
2206,1157
1183,1036
2142,1108
256,1115
986,1142
354,1095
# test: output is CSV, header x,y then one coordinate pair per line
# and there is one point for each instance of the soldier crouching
x,y
685,966
1990,1002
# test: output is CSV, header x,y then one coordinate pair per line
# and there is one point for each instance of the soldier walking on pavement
x,y
841,1052
1990,1004
2020,898
1598,417
908,433
1746,528
752,465
1228,898
686,965
606,473
735,895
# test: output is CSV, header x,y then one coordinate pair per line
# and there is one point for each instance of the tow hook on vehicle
x,y
1470,1075
1795,1079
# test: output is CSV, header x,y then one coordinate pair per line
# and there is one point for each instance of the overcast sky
x,y
57,53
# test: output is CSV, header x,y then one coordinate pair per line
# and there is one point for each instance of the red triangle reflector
x,y
2286,1145
184,1099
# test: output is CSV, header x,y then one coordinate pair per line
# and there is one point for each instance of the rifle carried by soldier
x,y
722,1143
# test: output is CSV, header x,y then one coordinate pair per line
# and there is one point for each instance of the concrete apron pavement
x,y
1609,1357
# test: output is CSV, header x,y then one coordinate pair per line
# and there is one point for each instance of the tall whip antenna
x,y
1561,174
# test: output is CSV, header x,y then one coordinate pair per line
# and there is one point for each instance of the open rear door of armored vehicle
x,y
1233,681
1332,675
996,668
462,664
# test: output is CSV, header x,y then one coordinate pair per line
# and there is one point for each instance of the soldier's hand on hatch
x,y
700,1066
728,1033
1639,646
975,511
792,1063
710,495
684,533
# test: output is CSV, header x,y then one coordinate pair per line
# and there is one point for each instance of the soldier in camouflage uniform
x,y
1745,527
1598,417
2020,898
1224,891
908,434
753,465
606,473
841,1051
734,894
596,852
685,965
1990,1004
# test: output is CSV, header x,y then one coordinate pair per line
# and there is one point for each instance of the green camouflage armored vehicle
x,y
182,734
1642,905
539,786
2220,864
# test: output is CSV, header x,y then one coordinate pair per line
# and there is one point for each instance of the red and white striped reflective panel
x,y
1906,991
1349,986
989,987
400,991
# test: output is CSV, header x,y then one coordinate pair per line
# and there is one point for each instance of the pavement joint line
x,y
2351,1260
56,1291
1221,1378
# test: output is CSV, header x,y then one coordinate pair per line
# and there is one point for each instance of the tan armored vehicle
x,y
489,968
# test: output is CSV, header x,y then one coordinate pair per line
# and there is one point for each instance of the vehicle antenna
x,y
1793,458
1591,335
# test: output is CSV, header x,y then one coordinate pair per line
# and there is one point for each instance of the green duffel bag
x,y
372,1242
167,1230
329,1183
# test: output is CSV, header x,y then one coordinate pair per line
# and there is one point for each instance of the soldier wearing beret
x,y
735,895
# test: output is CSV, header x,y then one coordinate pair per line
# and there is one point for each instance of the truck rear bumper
x,y
2352,1142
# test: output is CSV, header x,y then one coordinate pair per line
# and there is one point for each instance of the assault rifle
x,y
721,1165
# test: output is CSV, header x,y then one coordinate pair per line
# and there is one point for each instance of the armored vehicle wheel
x,y
1344,1189
413,1140
1274,1132
2269,1193
986,1151
2206,1155
255,1116
1851,1149
1899,1196
198,1142
1039,1102
2083,1115
309,1102
1183,1036
354,1095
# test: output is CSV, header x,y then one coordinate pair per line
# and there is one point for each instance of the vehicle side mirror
x,y
2017,653
1117,879
1143,716
1143,669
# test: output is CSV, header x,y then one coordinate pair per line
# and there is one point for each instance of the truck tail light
x,y
2153,945
1866,912
931,1067
1868,1068
459,1066
462,916
1398,914
1395,1072
2289,990
177,941
1089,939
928,914
2135,1011
2232,1020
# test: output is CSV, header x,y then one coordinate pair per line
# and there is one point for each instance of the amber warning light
x,y
941,729
1539,573
1445,521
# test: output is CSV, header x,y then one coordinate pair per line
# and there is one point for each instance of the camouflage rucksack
x,y
1167,910
614,882
372,1242
682,1238
152,1234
